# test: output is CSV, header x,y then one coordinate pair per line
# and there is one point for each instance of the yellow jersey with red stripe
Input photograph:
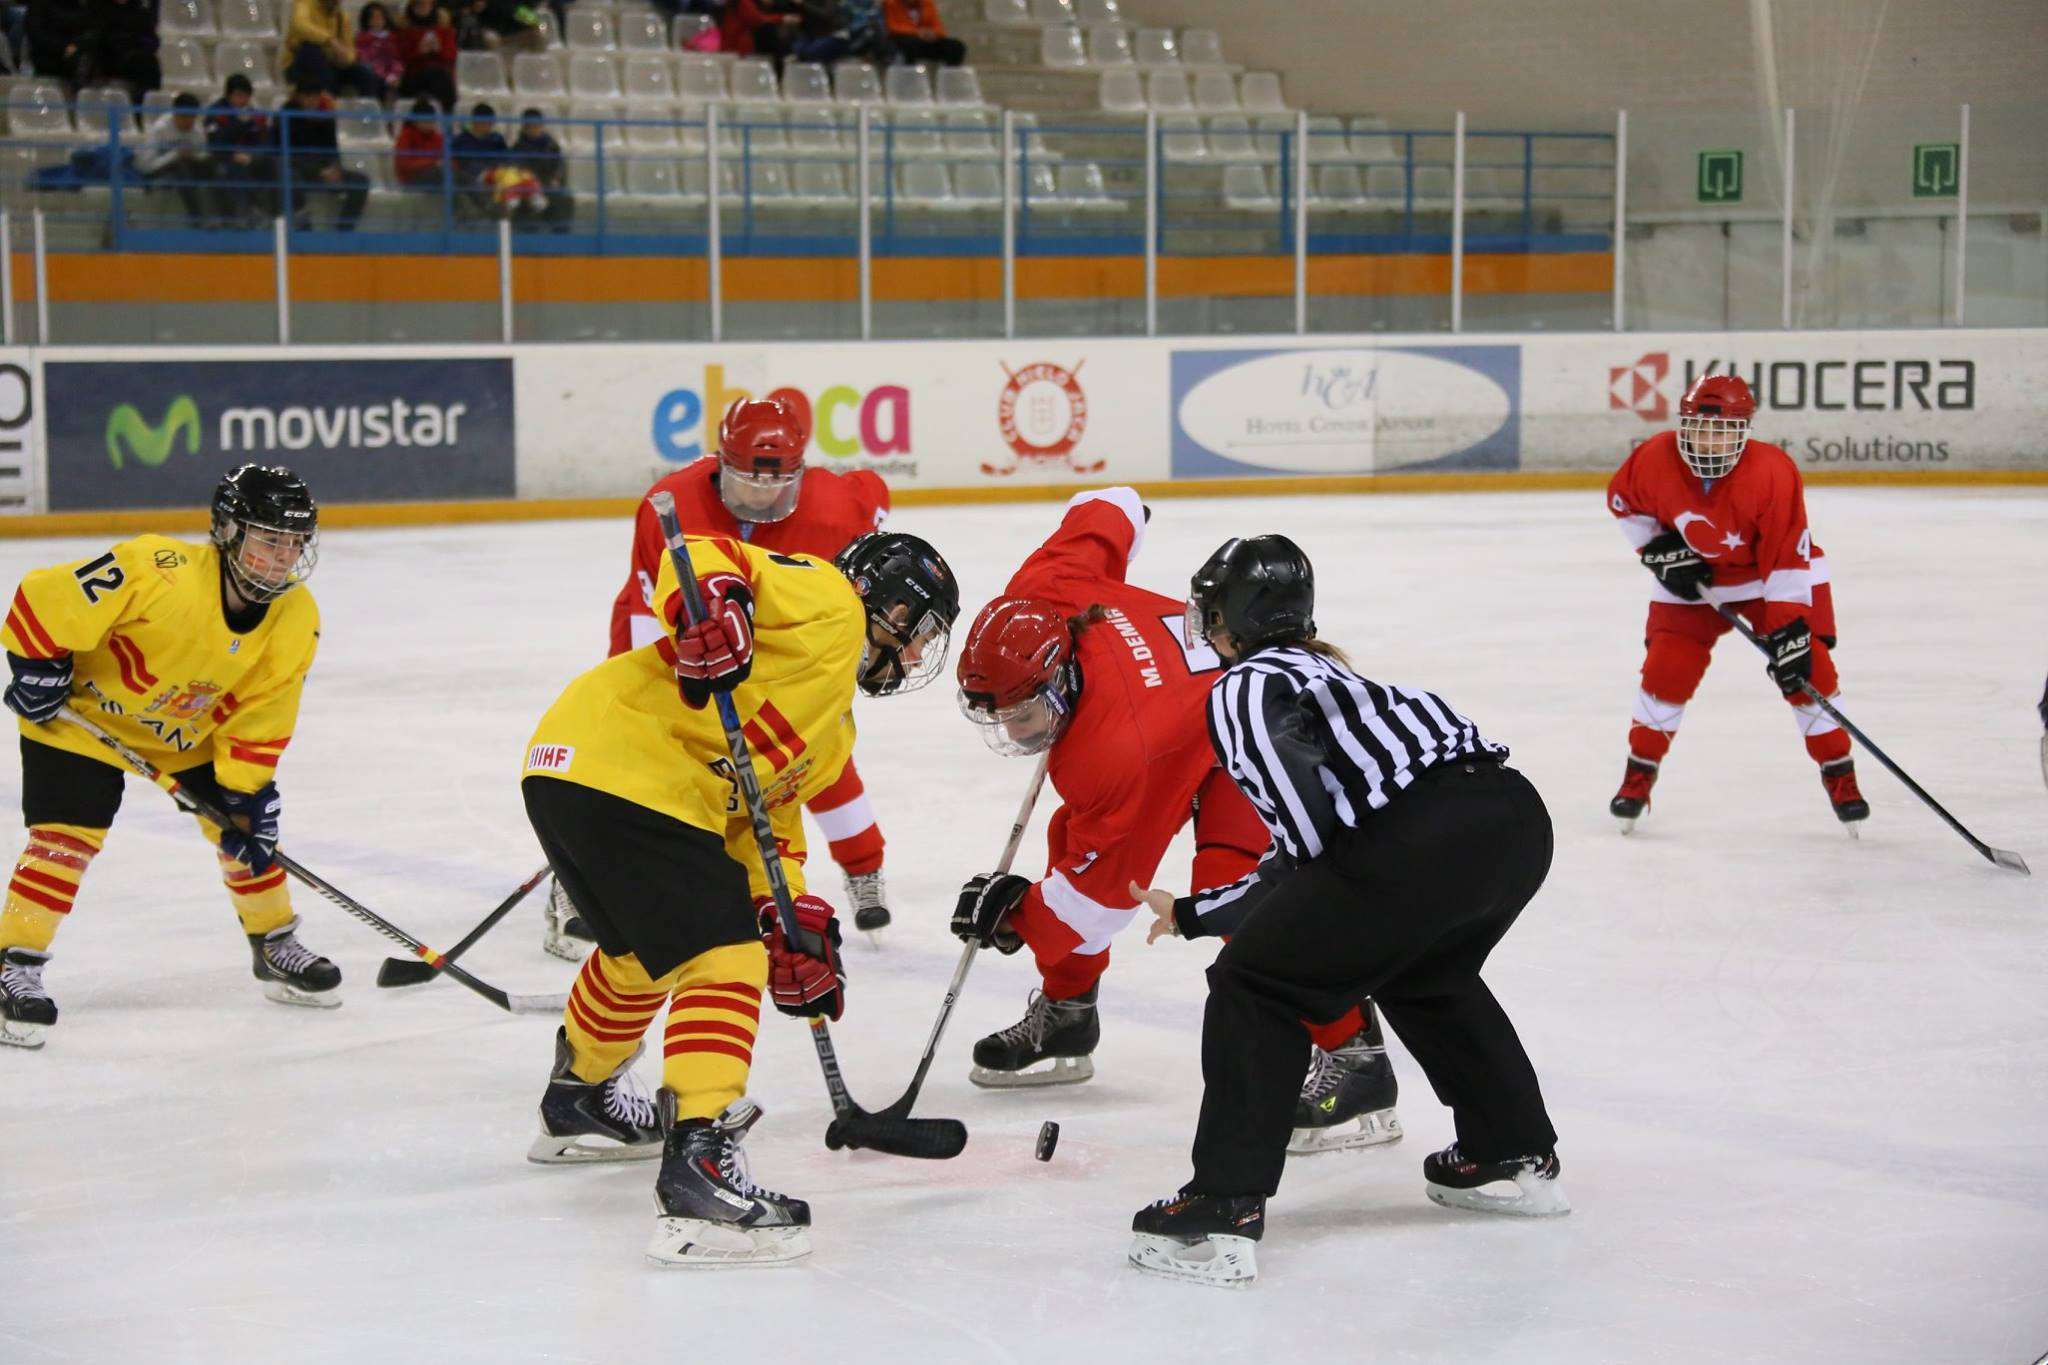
x,y
623,728
156,664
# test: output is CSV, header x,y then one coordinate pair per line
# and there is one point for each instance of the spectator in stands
x,y
537,151
479,150
119,46
312,158
377,44
242,144
14,23
174,154
320,51
494,25
426,44
765,28
56,38
917,34
417,161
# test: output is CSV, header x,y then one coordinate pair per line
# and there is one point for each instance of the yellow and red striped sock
x,y
261,899
610,1007
714,1011
45,883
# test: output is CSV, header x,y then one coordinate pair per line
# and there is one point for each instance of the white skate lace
x,y
22,980
1031,1028
864,889
288,955
1324,1074
627,1101
732,1167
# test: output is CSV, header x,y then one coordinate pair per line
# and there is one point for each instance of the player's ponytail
x,y
1080,622
1327,650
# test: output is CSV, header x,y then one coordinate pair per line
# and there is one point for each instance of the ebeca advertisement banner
x,y
160,434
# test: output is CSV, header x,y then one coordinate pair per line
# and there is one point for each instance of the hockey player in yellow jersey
x,y
193,655
632,793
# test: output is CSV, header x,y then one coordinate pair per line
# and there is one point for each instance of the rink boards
x,y
447,433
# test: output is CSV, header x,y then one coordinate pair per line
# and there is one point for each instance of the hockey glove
x,y
40,687
1677,566
982,914
1791,661
252,839
717,653
804,984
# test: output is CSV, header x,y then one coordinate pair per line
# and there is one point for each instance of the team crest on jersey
x,y
550,758
195,700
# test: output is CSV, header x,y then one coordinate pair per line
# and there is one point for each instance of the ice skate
x,y
1048,1046
870,901
712,1213
292,973
1206,1238
26,1009
1633,799
1839,778
1459,1183
1347,1100
565,934
585,1121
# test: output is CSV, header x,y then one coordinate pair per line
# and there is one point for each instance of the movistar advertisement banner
x,y
148,433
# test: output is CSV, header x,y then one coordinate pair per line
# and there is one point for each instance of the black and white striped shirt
x,y
1317,747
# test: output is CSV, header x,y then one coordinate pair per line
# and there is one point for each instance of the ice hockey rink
x,y
1800,1082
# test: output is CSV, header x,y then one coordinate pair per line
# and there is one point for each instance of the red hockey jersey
x,y
1749,526
831,509
1136,751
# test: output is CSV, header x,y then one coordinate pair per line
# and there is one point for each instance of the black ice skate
x,y
566,935
292,973
1459,1183
1048,1046
1839,777
1347,1099
583,1121
712,1213
1202,1237
26,1009
870,901
1633,799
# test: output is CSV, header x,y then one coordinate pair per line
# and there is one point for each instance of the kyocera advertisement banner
x,y
608,420
150,433
1903,401
1335,408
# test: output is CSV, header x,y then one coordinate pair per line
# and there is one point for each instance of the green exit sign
x,y
1935,169
1720,177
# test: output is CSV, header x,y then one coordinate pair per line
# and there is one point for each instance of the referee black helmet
x,y
1260,590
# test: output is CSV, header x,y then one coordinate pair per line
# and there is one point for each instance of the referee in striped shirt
x,y
1403,849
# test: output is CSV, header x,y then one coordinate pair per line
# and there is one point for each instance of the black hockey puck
x,y
1048,1138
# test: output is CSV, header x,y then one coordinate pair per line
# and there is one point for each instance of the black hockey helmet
x,y
268,529
1260,590
912,600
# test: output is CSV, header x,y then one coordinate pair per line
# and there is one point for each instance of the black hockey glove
x,y
255,847
1677,566
1791,662
982,913
40,687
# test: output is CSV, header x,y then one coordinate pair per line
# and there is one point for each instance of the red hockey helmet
x,y
1713,424
1017,675
761,458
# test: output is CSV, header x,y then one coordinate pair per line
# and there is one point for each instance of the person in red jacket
x,y
426,45
417,157
1719,517
1076,660
758,489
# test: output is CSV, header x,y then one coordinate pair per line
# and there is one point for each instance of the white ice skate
x,y
564,934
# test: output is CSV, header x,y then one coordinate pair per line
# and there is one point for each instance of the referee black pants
x,y
1404,910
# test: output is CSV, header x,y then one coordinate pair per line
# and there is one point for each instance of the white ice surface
x,y
1801,1083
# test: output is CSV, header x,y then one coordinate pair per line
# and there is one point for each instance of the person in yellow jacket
x,y
319,52
193,655
630,787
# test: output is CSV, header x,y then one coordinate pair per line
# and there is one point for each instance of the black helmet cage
x,y
275,504
910,595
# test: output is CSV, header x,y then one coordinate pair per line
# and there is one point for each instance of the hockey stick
x,y
194,805
411,971
933,1139
901,1109
2004,857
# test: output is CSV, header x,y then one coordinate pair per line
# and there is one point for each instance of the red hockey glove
x,y
803,984
716,654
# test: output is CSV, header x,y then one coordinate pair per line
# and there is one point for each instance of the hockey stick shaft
x,y
2003,857
920,1138
204,810
407,971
